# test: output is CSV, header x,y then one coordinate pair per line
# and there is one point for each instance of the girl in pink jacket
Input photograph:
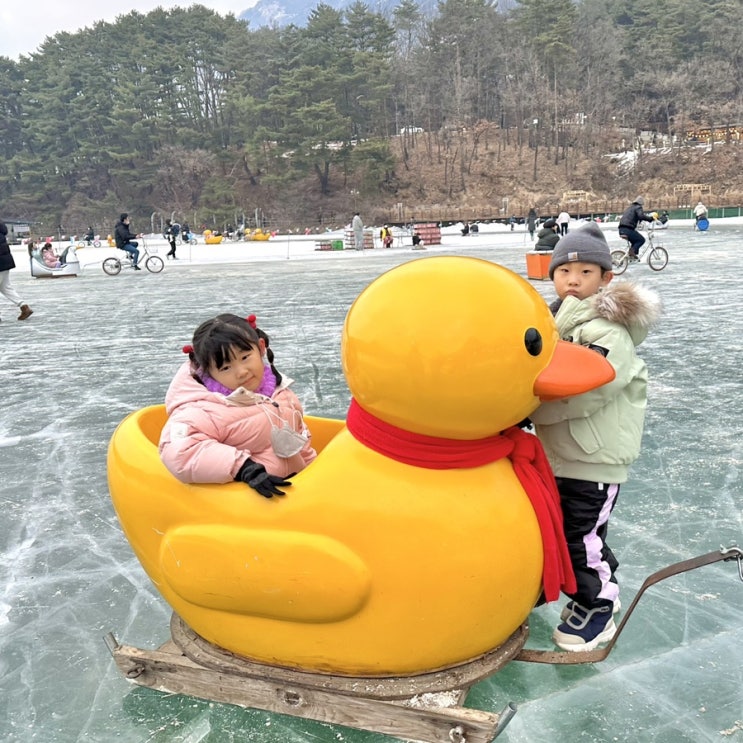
x,y
49,258
231,414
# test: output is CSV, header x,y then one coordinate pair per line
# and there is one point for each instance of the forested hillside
x,y
188,112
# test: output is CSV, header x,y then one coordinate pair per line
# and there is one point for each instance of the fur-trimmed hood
x,y
633,306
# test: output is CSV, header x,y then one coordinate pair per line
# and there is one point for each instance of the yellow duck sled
x,y
372,566
257,234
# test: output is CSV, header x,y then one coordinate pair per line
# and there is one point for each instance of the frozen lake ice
x,y
99,347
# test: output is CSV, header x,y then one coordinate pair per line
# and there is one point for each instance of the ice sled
x,y
70,265
257,234
210,238
427,707
405,559
376,588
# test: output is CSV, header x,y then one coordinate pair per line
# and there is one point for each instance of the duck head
x,y
459,348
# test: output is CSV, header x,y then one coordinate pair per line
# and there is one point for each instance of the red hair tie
x,y
187,349
251,319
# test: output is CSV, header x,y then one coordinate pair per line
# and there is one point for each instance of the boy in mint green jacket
x,y
591,439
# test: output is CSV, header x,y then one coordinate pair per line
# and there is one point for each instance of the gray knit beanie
x,y
586,244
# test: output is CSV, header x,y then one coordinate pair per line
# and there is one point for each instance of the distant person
x,y
90,235
171,235
563,220
358,231
548,236
466,229
386,236
700,212
628,222
418,241
512,222
125,239
6,265
531,222
592,439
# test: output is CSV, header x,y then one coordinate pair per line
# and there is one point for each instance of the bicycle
x,y
153,263
657,255
88,243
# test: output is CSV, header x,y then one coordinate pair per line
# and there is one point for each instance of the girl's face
x,y
578,279
243,369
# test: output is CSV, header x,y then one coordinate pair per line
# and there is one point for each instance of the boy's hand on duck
x,y
254,474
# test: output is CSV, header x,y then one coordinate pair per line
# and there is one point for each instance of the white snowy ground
x,y
98,347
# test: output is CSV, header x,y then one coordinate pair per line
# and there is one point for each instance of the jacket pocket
x,y
585,435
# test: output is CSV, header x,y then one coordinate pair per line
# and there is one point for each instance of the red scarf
x,y
529,463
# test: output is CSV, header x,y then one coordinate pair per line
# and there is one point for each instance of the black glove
x,y
255,475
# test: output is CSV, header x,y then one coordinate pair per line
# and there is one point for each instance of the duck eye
x,y
533,341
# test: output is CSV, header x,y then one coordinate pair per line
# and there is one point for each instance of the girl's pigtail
x,y
269,352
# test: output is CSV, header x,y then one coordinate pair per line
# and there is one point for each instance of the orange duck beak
x,y
573,370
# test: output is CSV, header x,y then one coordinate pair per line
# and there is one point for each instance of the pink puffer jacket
x,y
208,436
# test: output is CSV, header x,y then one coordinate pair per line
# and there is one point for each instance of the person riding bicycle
x,y
628,222
90,235
125,239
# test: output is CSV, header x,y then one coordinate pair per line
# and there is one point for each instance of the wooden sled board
x,y
425,707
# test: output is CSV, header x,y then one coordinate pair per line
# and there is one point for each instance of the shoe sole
x,y
565,613
584,647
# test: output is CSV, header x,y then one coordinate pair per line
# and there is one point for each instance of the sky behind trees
x,y
26,23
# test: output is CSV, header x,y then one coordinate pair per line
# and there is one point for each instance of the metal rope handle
x,y
599,654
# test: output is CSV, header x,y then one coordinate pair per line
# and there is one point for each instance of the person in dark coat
x,y
171,233
6,265
531,222
628,222
125,239
548,236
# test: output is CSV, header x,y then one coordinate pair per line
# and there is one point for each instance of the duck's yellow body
x,y
368,566
257,234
